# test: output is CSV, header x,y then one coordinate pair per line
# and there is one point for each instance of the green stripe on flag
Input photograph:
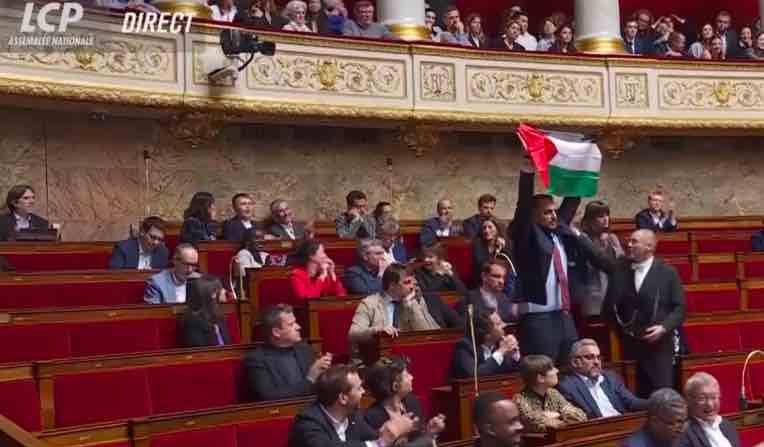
x,y
567,183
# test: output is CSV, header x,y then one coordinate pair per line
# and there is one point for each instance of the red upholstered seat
x,y
20,403
210,437
21,343
752,436
431,362
192,386
271,433
753,266
722,241
275,290
31,295
232,320
460,256
673,244
717,268
712,297
343,256
708,338
218,261
333,326
114,337
101,397
43,262
756,298
683,267
752,335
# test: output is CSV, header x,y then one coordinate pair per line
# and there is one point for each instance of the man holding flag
x,y
545,244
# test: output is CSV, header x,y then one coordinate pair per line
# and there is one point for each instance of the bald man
x,y
645,303
443,225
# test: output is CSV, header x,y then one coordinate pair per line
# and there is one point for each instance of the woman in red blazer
x,y
313,275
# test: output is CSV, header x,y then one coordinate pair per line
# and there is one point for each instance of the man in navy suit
x,y
234,228
666,420
365,278
633,43
598,392
654,217
706,427
441,226
486,205
145,252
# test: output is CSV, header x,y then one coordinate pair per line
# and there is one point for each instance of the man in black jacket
x,y
706,427
497,353
244,219
547,249
654,217
145,252
284,367
645,303
334,420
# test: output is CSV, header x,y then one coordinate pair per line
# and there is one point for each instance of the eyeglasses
x,y
590,357
155,238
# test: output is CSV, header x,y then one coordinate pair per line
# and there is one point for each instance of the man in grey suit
x,y
282,224
169,285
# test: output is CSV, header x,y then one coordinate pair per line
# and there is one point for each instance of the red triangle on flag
x,y
540,148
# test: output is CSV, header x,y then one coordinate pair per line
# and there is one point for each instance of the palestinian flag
x,y
569,164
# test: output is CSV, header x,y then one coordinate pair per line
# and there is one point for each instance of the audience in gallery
x,y
563,41
701,49
284,366
243,219
169,285
356,222
204,323
598,392
389,233
296,13
631,40
666,420
145,251
312,275
199,219
363,25
706,427
20,219
654,217
250,254
547,34
224,11
261,14
757,49
455,32
391,384
440,226
486,205
542,407
365,278
491,293
430,21
476,37
382,212
436,273
525,39
335,418
508,41
497,421
487,245
498,353
281,224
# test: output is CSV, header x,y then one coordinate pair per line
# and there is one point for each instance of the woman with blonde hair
x,y
296,12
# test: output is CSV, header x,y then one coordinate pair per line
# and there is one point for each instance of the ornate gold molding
x,y
419,137
601,45
410,32
631,91
197,128
196,8
710,93
437,82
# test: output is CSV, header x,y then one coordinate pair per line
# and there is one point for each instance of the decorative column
x,y
404,18
197,8
598,26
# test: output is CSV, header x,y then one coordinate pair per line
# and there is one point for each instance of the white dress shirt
x,y
341,428
553,296
600,398
714,434
443,232
389,257
528,41
289,230
144,258
219,16
23,223
640,271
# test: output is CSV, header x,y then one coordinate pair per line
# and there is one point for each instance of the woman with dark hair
x,y
490,245
20,218
199,219
261,14
203,323
313,275
589,292
250,254
382,212
475,34
701,49
508,41
563,42
391,384
756,52
436,274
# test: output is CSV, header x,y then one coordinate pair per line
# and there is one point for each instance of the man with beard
x,y
497,420
666,420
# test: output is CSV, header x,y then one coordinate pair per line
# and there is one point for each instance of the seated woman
x,y
314,276
437,274
203,323
489,245
390,382
250,255
20,218
563,42
508,41
199,219
296,12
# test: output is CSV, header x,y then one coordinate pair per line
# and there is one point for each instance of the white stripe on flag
x,y
576,156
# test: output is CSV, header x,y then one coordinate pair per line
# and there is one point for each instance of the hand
x,y
383,264
436,425
500,244
460,27
319,366
528,167
554,422
313,269
330,267
654,333
397,426
257,12
446,268
507,344
391,331
354,214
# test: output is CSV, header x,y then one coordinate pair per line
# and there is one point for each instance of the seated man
x,y
499,353
335,420
454,32
282,224
654,217
244,219
666,420
284,366
490,294
169,285
443,225
757,241
599,393
486,205
363,24
706,428
396,308
389,232
365,278
356,222
145,252
541,406
497,420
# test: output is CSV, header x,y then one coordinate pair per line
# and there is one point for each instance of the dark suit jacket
x,y
376,415
8,226
243,17
480,255
757,241
463,360
499,44
194,230
533,247
639,46
233,229
125,255
312,428
643,438
471,226
431,282
428,235
644,221
694,436
575,390
731,38
504,307
197,333
399,252
322,22
359,281
442,313
265,380
277,230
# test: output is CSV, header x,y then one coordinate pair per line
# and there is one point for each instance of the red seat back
x,y
112,337
673,244
271,432
712,297
683,267
460,256
334,325
192,386
218,437
43,262
716,267
22,343
709,338
719,241
753,266
275,289
36,295
750,437
20,403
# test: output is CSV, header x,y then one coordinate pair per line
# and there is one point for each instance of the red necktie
x,y
562,280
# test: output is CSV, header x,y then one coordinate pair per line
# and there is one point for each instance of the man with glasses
x,y
598,392
389,232
169,285
144,252
365,278
706,428
666,420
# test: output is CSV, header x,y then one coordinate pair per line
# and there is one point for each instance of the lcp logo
x,y
70,12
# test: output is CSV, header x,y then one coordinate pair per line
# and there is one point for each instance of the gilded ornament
x,y
631,90
519,87
700,93
419,137
327,74
197,128
722,91
437,82
536,86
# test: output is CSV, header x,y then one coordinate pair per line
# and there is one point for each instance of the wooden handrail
x,y
11,435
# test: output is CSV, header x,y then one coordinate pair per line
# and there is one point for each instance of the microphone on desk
x,y
230,279
471,312
743,400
